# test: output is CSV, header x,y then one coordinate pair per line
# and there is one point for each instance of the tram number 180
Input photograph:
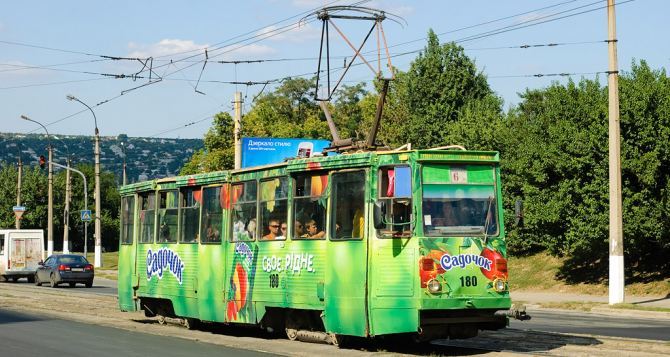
x,y
468,281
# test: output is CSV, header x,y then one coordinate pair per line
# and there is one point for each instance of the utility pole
x,y
122,138
18,191
616,269
98,227
236,129
50,219
98,221
124,180
66,215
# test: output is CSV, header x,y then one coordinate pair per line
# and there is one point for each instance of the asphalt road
x,y
542,320
30,335
547,321
595,324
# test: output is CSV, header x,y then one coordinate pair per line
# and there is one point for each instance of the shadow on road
x,y
9,317
667,297
507,340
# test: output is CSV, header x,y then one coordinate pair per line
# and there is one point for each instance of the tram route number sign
x,y
85,215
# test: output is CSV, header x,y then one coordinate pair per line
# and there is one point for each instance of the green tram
x,y
364,244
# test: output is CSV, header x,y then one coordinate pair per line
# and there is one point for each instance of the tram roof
x,y
358,159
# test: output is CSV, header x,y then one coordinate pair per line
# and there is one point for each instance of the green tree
x,y
556,158
288,112
34,195
441,87
219,150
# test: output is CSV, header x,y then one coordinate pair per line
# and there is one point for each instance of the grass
x,y
538,273
588,306
638,307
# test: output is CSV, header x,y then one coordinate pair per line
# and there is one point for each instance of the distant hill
x,y
146,158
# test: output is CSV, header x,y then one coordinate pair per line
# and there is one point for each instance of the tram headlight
x,y
434,286
499,285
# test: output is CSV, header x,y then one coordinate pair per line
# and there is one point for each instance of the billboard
x,y
264,151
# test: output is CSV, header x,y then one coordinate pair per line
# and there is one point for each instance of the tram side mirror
x,y
40,263
518,212
379,211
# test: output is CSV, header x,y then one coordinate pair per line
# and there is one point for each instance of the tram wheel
x,y
191,324
339,340
292,326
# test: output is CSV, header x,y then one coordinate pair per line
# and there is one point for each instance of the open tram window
x,y
191,199
309,203
127,219
147,216
245,225
274,208
167,216
347,215
212,214
393,210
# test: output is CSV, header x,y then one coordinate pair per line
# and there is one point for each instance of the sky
x,y
92,49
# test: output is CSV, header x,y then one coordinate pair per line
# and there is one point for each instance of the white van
x,y
20,252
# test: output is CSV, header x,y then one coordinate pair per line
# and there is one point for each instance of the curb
x,y
598,310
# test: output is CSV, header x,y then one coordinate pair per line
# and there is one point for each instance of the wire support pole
x,y
616,259
98,199
50,209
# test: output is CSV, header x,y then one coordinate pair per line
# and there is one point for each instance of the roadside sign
x,y
86,215
18,211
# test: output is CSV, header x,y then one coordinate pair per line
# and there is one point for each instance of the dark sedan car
x,y
65,268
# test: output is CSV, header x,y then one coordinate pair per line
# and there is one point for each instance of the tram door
x,y
127,277
346,278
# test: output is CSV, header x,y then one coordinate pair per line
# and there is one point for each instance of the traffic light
x,y
43,161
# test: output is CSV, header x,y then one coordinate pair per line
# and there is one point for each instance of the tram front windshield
x,y
459,210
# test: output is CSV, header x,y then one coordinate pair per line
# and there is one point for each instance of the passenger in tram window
x,y
213,234
298,229
164,233
448,217
313,230
273,228
283,229
251,228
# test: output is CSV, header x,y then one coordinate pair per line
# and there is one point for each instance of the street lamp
x,y
50,214
68,198
98,237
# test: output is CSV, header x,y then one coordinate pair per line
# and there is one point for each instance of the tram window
x,y
459,201
147,217
190,215
274,208
347,219
395,201
212,215
309,204
127,219
2,244
167,217
245,226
